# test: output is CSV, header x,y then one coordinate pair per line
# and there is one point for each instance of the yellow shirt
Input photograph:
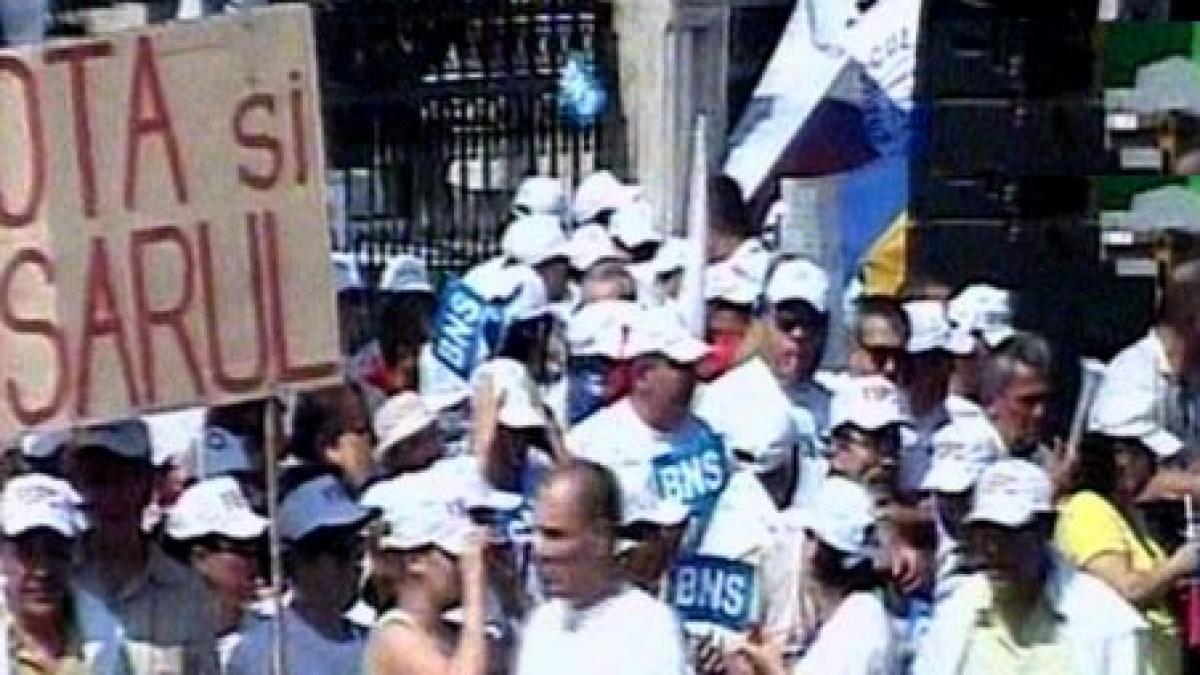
x,y
1089,526
23,661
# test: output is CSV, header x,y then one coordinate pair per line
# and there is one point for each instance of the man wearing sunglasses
x,y
878,338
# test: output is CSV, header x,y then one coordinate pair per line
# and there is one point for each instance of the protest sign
x,y
162,220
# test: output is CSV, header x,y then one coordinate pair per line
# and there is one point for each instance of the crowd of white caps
x,y
734,454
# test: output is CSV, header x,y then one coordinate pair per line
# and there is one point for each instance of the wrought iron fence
x,y
435,109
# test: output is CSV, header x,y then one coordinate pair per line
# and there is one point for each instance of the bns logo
x,y
694,476
714,590
458,330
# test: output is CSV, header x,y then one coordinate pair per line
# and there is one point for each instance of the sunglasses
x,y
883,354
802,318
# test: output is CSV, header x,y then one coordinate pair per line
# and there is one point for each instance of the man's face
x,y
37,566
878,349
1020,411
568,549
230,569
1009,556
335,570
725,321
864,456
667,386
928,374
795,337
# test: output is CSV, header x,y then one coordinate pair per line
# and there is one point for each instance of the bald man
x,y
591,612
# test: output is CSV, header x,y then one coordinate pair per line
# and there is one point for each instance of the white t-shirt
x,y
305,651
856,640
916,456
630,633
810,411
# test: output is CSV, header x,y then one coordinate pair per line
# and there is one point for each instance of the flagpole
x,y
271,457
692,295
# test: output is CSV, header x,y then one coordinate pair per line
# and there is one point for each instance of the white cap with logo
x,y
320,502
870,403
799,279
401,417
931,330
841,516
599,192
1012,493
984,310
766,439
215,506
646,506
632,225
1122,411
36,501
405,273
535,239
661,333
417,511
961,451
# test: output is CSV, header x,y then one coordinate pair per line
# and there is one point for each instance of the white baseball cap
x,y
931,330
173,434
723,282
220,452
1122,411
414,516
799,279
869,403
405,273
599,192
37,500
659,332
521,291
320,502
535,239
45,444
1011,492
984,310
591,244
767,438
519,400
602,328
400,418
841,516
961,451
540,195
214,506
632,225
346,275
128,438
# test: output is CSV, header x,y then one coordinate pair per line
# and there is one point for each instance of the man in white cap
x,y
1028,611
352,309
214,529
159,603
933,343
45,626
633,229
986,313
961,452
322,529
539,242
405,273
598,356
730,296
594,621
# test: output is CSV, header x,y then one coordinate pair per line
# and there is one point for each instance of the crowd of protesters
x,y
576,482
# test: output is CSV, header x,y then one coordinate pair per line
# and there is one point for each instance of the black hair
x,y
727,211
885,307
405,324
596,489
318,422
1023,349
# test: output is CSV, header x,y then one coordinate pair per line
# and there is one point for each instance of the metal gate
x,y
435,109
